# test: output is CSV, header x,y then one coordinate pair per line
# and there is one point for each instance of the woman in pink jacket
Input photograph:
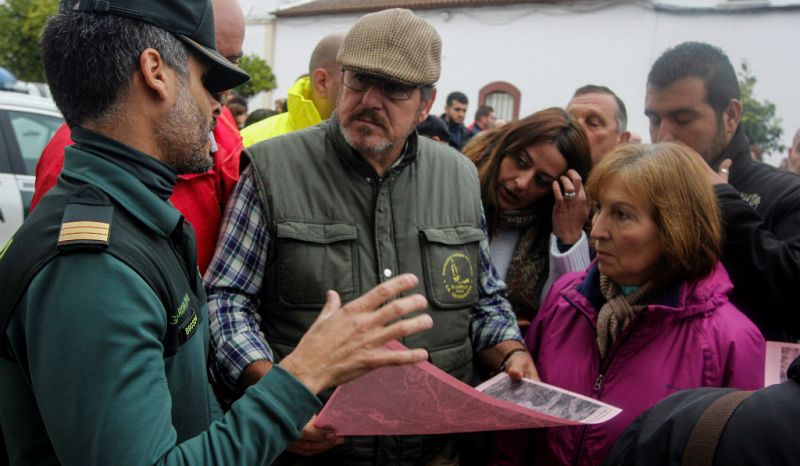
x,y
650,316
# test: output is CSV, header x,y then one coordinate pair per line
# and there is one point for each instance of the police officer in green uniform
x,y
103,320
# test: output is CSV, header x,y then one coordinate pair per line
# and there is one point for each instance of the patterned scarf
x,y
528,269
618,311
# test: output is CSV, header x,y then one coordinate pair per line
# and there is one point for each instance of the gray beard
x,y
376,149
181,136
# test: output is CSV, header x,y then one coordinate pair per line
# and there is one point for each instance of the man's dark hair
x,y
621,116
258,115
89,60
456,96
702,61
237,99
483,111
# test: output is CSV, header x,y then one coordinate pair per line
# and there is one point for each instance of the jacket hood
x,y
679,301
303,111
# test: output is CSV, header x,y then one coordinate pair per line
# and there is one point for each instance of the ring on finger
x,y
569,195
724,171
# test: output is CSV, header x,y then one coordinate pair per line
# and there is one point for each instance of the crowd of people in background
x,y
553,247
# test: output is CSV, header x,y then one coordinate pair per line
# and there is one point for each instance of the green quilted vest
x,y
334,224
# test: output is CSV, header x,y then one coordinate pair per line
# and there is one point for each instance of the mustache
x,y
369,115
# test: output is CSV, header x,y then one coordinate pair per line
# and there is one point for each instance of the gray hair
x,y
90,60
621,115
426,92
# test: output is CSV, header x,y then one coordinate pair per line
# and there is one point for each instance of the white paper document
x,y
548,399
779,356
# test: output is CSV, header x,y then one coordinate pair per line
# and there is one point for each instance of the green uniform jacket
x,y
97,373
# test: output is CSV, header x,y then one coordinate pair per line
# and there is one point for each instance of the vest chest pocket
x,y
314,258
451,265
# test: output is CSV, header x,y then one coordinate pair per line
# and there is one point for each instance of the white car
x,y
27,123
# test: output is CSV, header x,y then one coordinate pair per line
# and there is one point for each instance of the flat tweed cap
x,y
394,44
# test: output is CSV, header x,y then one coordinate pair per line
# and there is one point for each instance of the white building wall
x,y
259,38
549,51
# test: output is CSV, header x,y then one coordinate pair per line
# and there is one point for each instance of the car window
x,y
5,158
33,131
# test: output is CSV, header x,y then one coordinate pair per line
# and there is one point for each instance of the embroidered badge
x,y
458,274
181,310
751,198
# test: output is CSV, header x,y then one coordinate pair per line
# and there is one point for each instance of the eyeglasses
x,y
361,82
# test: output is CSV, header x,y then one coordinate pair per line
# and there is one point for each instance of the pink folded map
x,y
420,399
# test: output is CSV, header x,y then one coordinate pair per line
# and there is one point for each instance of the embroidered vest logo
x,y
458,274
751,198
181,310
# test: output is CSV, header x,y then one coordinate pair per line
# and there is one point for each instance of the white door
x,y
11,210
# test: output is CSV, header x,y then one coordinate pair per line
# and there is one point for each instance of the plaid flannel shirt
x,y
234,280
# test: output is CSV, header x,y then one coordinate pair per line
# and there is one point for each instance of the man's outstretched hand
x,y
348,341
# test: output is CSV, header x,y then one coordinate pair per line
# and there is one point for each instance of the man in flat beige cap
x,y
348,204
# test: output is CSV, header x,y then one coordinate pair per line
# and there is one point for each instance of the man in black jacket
x,y
455,111
693,97
761,431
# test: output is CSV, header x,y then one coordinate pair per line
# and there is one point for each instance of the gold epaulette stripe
x,y
73,231
84,224
83,231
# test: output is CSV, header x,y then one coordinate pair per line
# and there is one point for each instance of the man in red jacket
x,y
200,197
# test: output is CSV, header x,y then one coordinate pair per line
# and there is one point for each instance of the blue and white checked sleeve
x,y
493,320
233,282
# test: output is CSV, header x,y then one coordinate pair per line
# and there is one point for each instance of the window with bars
x,y
503,97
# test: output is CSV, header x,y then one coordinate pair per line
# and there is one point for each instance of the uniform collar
x,y
138,182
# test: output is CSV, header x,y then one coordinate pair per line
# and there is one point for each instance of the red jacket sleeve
x,y
50,163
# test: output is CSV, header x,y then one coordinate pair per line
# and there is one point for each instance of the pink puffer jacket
x,y
694,337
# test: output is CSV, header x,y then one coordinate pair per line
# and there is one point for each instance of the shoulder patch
x,y
86,222
83,231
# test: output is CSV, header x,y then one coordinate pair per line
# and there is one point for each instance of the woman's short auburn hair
x,y
672,181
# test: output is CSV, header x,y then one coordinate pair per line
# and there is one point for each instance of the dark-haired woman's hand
x,y
571,209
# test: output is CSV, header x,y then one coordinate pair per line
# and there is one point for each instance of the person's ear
x,y
624,137
321,80
731,116
155,72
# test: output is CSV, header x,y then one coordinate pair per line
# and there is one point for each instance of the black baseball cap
x,y
192,21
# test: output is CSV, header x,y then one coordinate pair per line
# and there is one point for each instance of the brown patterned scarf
x,y
528,269
618,311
